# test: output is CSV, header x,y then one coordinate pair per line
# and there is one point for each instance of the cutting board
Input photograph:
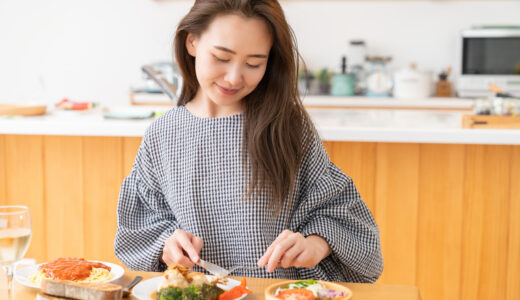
x,y
22,110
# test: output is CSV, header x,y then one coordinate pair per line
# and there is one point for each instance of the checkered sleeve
x,y
332,208
144,219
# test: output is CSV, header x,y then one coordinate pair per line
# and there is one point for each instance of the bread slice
x,y
81,291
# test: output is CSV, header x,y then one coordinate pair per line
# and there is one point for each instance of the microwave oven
x,y
489,56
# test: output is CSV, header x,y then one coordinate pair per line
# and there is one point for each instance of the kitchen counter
x,y
432,103
405,126
401,126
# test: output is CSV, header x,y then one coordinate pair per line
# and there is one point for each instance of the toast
x,y
81,291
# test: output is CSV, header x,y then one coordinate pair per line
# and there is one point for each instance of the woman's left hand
x,y
292,249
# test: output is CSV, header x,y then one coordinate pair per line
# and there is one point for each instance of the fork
x,y
220,272
128,289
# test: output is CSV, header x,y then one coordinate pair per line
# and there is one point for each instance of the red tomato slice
x,y
235,292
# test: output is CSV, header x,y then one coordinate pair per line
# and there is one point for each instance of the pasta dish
x,y
74,269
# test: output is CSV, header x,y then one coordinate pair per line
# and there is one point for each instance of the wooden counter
x,y
258,285
449,214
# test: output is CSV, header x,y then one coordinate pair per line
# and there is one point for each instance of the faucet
x,y
167,87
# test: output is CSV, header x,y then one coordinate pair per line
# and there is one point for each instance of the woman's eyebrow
x,y
233,52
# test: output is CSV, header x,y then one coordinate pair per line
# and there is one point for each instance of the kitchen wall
x,y
93,50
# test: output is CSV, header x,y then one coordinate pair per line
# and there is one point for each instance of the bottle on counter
x,y
443,86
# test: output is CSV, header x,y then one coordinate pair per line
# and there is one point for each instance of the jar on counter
x,y
497,106
482,107
357,53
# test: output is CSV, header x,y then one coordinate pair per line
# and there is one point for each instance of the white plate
x,y
144,289
22,275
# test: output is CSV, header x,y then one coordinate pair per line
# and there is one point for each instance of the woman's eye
x,y
253,66
220,59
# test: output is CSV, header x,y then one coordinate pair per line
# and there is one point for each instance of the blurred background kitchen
x,y
93,50
428,131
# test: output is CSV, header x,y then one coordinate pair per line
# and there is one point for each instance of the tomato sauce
x,y
70,268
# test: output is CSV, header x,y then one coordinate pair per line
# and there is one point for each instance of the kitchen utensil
x,y
166,69
343,84
169,88
410,83
221,272
379,81
127,290
499,91
22,110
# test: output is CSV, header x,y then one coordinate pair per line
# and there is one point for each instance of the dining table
x,y
360,291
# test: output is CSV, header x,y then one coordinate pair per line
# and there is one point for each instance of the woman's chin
x,y
226,100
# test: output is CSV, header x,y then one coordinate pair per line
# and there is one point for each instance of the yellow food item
x,y
181,277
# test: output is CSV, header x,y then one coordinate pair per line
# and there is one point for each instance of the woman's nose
x,y
234,75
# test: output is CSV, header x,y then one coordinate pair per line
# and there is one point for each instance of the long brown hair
x,y
275,120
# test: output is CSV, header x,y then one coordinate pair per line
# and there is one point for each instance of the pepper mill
x,y
443,88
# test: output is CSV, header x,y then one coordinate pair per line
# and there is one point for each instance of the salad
x,y
179,283
307,290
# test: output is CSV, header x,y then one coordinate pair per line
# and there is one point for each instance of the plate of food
x,y
307,290
74,269
178,282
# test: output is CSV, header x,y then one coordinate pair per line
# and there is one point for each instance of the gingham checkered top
x,y
189,174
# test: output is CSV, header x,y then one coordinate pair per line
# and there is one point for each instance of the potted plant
x,y
305,80
323,77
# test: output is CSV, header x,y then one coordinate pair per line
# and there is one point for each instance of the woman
x,y
236,174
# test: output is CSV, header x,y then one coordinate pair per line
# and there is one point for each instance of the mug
x,y
343,85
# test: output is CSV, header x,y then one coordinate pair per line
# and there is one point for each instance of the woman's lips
x,y
226,91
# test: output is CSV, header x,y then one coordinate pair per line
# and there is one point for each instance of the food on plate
x,y
74,269
308,290
74,105
235,292
179,283
81,290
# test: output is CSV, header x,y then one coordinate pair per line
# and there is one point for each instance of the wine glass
x,y
15,236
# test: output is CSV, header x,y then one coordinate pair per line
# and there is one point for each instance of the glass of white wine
x,y
15,236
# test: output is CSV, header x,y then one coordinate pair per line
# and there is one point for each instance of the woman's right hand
x,y
182,248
